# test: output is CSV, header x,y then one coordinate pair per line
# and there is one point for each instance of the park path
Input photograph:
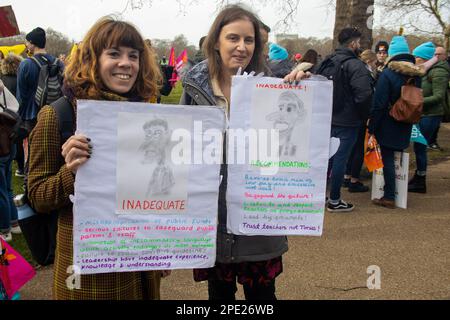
x,y
411,247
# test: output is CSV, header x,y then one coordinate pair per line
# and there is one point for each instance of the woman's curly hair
x,y
82,71
10,64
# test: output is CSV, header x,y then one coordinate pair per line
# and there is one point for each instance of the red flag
x,y
172,63
8,23
181,60
172,57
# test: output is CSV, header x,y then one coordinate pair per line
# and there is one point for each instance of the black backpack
x,y
39,230
50,81
12,128
333,69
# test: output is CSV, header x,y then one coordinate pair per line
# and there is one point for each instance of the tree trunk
x,y
343,14
447,39
354,13
362,18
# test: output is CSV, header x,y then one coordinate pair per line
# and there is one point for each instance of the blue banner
x,y
416,135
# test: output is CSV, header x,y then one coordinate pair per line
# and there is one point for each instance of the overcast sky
x,y
161,20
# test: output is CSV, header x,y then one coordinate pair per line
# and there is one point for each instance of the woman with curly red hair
x,y
112,63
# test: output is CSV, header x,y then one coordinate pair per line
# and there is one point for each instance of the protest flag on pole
x,y
8,22
172,63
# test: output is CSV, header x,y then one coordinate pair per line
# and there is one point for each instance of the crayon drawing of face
x,y
155,141
291,111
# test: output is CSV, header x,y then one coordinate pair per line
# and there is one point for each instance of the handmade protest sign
x,y
145,155
147,198
401,160
280,188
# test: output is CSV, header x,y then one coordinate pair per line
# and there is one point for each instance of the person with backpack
x,y
113,63
352,92
8,213
434,86
356,159
31,78
9,67
391,134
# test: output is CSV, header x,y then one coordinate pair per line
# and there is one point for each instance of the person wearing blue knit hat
x,y
277,52
391,134
434,88
398,45
279,63
425,51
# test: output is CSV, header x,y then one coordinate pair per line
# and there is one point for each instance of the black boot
x,y
417,184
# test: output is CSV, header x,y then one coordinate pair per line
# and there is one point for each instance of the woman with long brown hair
x,y
112,63
233,42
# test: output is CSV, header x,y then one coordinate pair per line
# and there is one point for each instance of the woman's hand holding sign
x,y
76,151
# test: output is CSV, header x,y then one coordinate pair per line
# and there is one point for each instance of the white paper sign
x,y
401,180
136,206
283,191
8,100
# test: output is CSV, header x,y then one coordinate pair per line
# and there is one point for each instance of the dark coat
x,y
389,132
10,82
352,110
230,248
280,68
27,83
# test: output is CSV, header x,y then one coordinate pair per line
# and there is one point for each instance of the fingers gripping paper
x,y
144,201
285,130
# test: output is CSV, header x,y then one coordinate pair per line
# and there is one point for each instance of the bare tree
x,y
436,13
414,40
180,43
285,9
57,43
301,45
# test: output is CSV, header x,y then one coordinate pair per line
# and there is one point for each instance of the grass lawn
x,y
175,95
19,242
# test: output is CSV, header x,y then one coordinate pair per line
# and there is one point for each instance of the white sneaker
x,y
16,230
6,236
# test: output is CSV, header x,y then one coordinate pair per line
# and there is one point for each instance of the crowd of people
x,y
114,63
362,99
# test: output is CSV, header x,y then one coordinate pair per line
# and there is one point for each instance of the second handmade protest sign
x,y
142,202
285,131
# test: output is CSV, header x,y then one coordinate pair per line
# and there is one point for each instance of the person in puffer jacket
x,y
392,135
434,86
279,64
